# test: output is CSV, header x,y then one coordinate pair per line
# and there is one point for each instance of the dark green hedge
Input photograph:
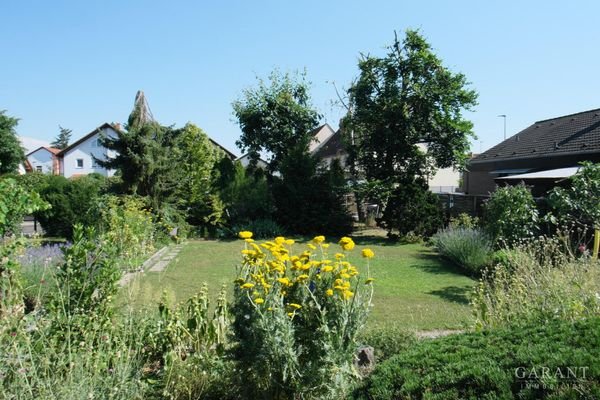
x,y
484,366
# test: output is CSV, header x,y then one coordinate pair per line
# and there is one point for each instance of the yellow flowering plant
x,y
296,316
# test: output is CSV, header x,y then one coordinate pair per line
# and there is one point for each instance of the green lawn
x,y
414,287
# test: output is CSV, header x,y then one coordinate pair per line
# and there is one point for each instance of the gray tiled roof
x,y
332,146
569,134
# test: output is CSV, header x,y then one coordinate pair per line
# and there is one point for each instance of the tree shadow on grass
x,y
369,240
455,294
433,263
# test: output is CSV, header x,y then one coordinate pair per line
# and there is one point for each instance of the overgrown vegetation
x,y
537,282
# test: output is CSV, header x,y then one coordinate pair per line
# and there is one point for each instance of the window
x,y
38,168
94,163
80,163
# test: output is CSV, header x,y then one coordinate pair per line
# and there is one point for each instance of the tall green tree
x,y
405,115
12,153
62,140
245,192
276,115
310,199
144,155
197,157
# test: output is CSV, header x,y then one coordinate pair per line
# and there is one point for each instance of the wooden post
x,y
596,244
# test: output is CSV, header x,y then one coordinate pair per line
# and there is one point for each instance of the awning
x,y
511,171
559,173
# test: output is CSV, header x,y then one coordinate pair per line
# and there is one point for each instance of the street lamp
x,y
503,116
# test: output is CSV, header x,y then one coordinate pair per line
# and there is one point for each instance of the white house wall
x,y
444,180
41,158
321,136
84,151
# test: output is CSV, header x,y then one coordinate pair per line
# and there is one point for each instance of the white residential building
x,y
45,160
80,157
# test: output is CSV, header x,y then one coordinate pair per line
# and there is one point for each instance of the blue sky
x,y
79,64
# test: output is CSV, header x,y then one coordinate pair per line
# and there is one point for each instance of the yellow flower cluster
x,y
346,243
273,276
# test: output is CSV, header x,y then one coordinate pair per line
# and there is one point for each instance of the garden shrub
x,y
73,201
16,201
244,191
297,318
468,248
510,215
189,345
463,220
72,348
310,200
575,209
128,225
537,282
412,208
580,201
510,363
87,279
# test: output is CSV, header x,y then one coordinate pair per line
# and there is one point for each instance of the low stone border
x,y
128,277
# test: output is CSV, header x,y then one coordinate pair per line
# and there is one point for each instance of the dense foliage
x,y
196,157
275,117
405,118
72,201
297,317
310,200
519,362
128,225
412,209
580,201
245,192
12,153
511,215
15,203
144,161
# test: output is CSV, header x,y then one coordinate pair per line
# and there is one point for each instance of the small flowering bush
x,y
297,315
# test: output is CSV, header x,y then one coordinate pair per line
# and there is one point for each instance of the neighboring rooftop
x,y
570,134
52,150
331,146
115,127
